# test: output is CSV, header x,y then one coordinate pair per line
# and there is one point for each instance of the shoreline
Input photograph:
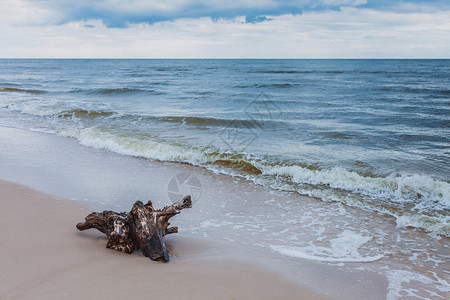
x,y
45,256
343,252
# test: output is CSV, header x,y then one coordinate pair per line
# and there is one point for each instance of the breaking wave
x,y
82,113
413,200
17,90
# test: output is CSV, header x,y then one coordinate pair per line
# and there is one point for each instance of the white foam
x,y
396,188
437,224
122,144
399,278
36,107
344,248
414,200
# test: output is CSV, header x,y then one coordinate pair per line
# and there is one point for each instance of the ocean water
x,y
368,133
368,140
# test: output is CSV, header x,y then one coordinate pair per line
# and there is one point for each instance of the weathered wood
x,y
142,228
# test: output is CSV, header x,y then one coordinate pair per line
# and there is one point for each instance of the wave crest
x,y
82,113
111,91
16,90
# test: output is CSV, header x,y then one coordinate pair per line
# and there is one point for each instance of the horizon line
x,y
232,58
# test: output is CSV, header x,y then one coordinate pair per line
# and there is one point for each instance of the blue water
x,y
368,133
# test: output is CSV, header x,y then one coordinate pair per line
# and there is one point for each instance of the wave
x,y
381,72
53,109
413,200
9,84
334,72
207,121
176,69
238,164
338,135
415,90
16,90
112,91
400,188
200,93
145,147
269,86
82,113
279,72
296,72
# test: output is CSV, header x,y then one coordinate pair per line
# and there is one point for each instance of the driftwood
x,y
143,228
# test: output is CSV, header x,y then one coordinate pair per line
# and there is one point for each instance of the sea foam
x,y
344,248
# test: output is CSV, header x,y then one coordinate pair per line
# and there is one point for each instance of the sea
x,y
367,136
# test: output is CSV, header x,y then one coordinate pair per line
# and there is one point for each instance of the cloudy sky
x,y
225,28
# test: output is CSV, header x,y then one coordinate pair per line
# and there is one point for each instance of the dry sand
x,y
43,256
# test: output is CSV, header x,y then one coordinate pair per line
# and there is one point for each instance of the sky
x,y
224,29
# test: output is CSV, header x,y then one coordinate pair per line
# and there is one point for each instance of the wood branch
x,y
115,226
142,228
171,229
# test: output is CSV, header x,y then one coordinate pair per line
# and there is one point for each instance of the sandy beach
x,y
45,257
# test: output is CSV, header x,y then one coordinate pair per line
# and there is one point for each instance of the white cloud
x,y
23,12
347,33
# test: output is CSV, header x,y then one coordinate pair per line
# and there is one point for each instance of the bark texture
x,y
143,228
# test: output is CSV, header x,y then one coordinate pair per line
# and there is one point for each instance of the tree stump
x,y
142,228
